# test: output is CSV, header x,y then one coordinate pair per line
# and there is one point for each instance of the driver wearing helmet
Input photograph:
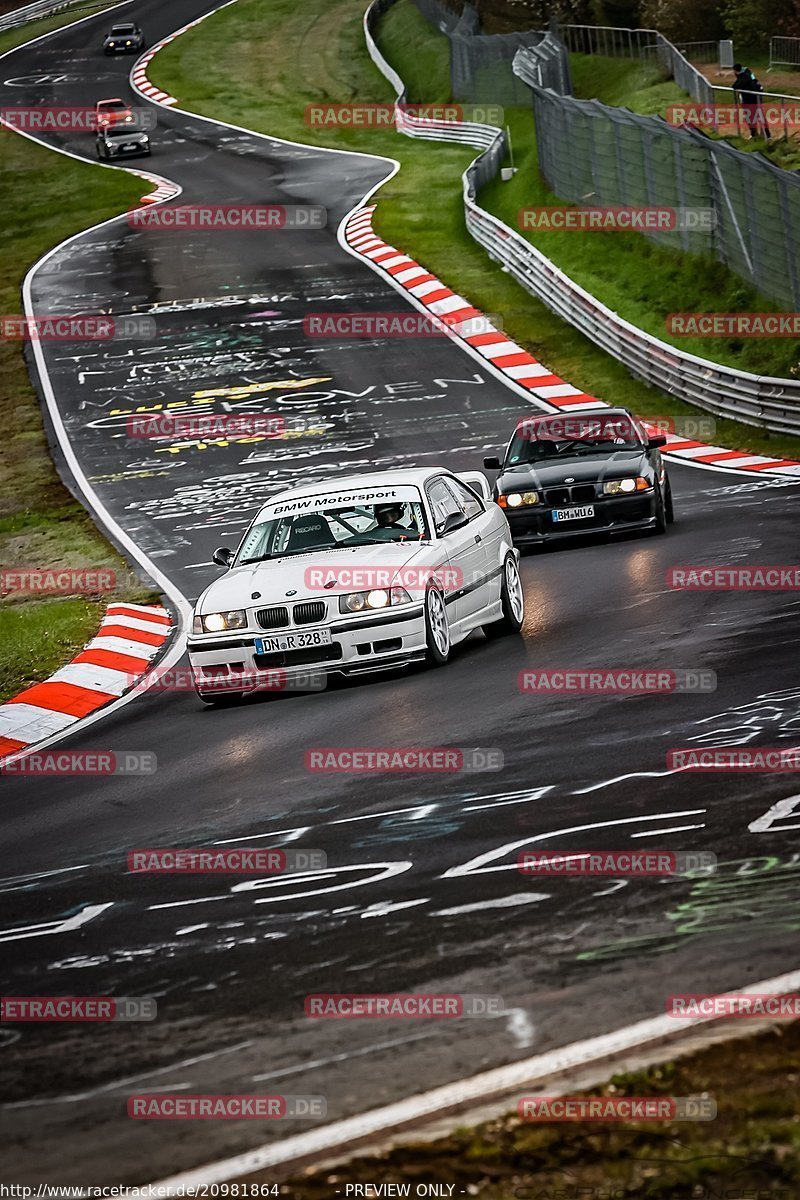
x,y
389,523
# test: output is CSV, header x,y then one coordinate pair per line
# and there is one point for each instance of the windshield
x,y
115,105
122,29
121,134
537,439
333,528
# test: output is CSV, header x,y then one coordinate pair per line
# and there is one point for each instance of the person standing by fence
x,y
747,93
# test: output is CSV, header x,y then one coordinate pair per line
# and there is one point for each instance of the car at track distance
x,y
125,38
122,141
573,474
113,112
357,575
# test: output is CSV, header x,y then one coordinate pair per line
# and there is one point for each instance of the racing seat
x,y
310,532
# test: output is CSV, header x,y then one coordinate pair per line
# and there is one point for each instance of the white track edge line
x,y
482,1088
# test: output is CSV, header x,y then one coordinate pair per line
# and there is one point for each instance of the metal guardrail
x,y
42,8
766,402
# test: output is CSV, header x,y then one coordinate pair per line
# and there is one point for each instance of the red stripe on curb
x,y
126,610
131,635
9,746
64,697
113,660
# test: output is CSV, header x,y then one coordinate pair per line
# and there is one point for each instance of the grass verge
x,y
47,197
751,1149
260,62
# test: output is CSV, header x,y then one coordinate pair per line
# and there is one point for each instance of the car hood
x,y
274,578
581,469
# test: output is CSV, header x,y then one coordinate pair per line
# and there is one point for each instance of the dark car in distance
x,y
573,474
125,38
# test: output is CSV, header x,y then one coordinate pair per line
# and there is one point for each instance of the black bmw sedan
x,y
573,474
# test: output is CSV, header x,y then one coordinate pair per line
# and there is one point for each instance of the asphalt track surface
x,y
409,903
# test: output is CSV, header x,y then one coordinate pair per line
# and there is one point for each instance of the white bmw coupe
x,y
355,575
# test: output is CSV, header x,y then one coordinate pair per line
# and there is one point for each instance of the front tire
x,y
512,599
661,513
437,629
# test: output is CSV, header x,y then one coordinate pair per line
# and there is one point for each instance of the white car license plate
x,y
293,641
573,514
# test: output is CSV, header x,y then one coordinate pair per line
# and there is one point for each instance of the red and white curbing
x,y
139,78
512,360
165,189
110,665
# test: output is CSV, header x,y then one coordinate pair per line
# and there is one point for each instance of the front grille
x,y
273,618
562,497
298,658
309,612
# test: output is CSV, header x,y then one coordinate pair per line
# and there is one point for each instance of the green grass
x,y
39,637
640,86
46,197
260,62
751,1149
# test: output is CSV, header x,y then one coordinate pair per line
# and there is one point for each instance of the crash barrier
x,y
784,52
747,211
43,8
647,44
769,403
480,64
546,65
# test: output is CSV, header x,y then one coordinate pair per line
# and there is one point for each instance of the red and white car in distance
x,y
356,575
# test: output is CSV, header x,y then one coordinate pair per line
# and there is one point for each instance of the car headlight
x,y
516,499
219,622
616,487
111,45
129,120
355,602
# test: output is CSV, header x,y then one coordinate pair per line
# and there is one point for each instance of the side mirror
x,y
453,521
492,464
223,557
654,442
